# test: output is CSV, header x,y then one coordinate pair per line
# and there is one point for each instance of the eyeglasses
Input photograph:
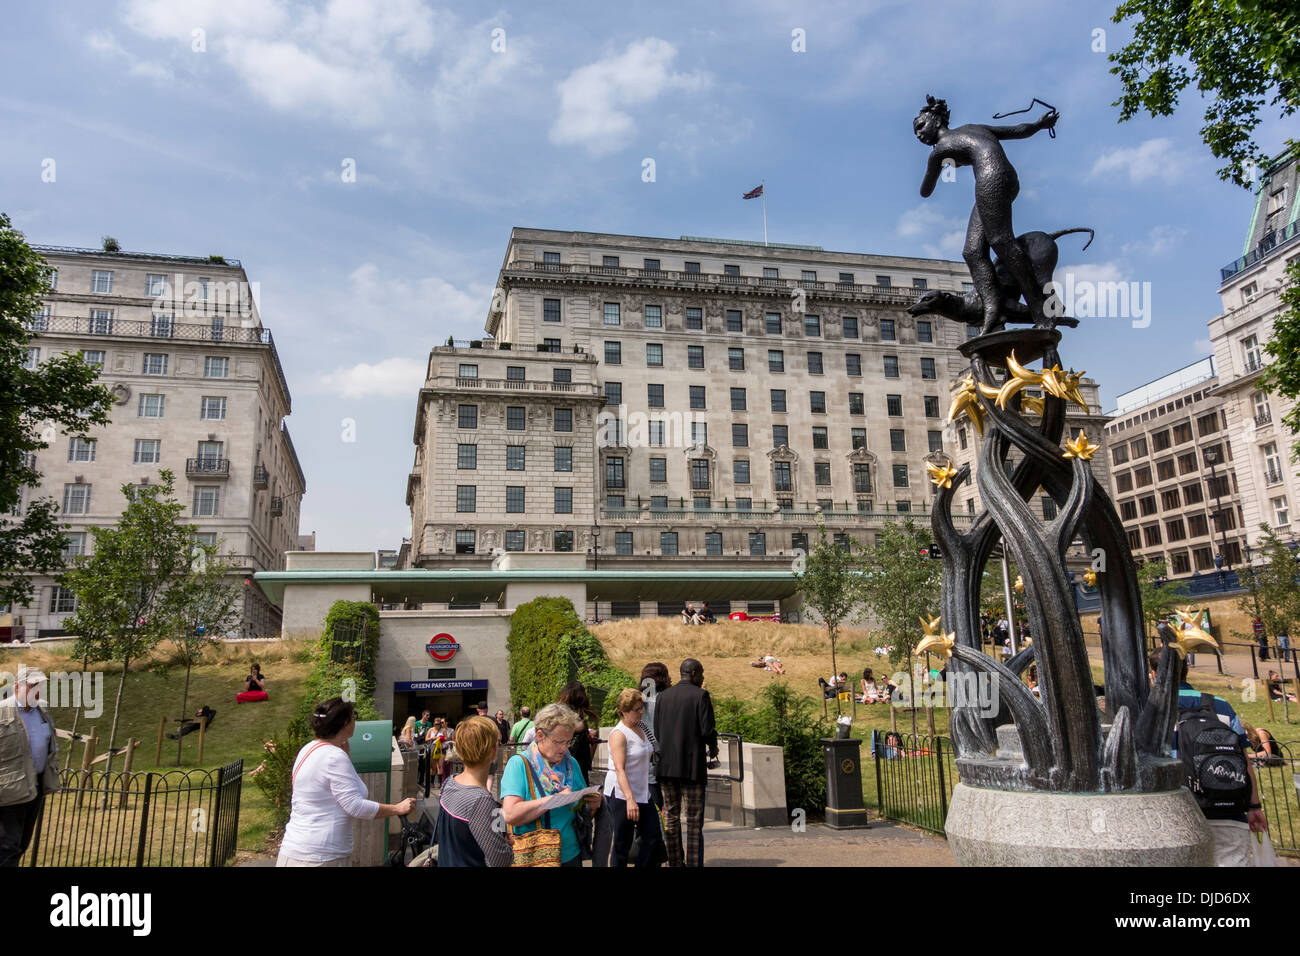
x,y
561,743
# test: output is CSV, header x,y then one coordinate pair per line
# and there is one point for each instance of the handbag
x,y
539,847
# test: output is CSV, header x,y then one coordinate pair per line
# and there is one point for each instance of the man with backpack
x,y
524,730
1213,747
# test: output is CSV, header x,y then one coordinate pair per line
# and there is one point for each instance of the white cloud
x,y
594,99
1093,273
104,43
1155,158
1159,240
398,377
946,234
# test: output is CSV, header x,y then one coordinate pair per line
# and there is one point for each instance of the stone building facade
x,y
703,400
198,389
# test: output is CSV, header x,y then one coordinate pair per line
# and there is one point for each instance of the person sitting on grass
x,y
704,615
254,681
203,712
870,692
688,615
1275,691
1263,745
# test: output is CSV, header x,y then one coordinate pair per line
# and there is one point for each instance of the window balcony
x,y
277,507
1270,242
1263,418
207,467
261,477
1272,477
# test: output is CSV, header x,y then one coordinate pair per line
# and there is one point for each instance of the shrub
x,y
548,647
785,719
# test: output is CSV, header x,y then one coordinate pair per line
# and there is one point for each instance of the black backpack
x,y
1213,761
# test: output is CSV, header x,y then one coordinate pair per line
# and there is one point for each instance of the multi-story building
x,y
703,400
1250,289
198,389
1174,477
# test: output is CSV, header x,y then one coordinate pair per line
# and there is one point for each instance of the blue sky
x,y
223,126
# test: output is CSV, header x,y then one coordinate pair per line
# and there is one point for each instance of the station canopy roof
x,y
487,586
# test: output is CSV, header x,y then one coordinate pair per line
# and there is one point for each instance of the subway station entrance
x,y
449,698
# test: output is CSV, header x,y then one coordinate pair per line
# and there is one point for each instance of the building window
x,y
699,474
81,449
655,395
887,333
739,436
812,326
515,458
931,406
694,319
148,451
936,441
697,396
551,258
900,476
891,366
467,371
654,317
563,458
850,326
820,438
658,469
623,542
858,438
961,438
775,360
466,457
736,360
757,543
713,543
467,416
562,375
846,280
216,367
550,345
814,363
695,356
857,404
516,417
101,322
516,373
564,419
1049,508
516,540
668,542
514,499
735,320
151,406
76,499
1119,454
894,405
740,471
613,353
853,364
613,314
799,541
781,476
1281,513
920,284
927,368
614,502
62,600
74,545
94,359
207,501
744,504
162,326
465,539
780,435
822,472
550,310
656,427
691,267
466,497
737,399
902,507
772,323
778,399
212,408
924,332
613,472
613,393
101,283
861,478
817,402
897,440
699,433
654,354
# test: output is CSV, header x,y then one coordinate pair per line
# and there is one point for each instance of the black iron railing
x,y
207,467
176,818
915,777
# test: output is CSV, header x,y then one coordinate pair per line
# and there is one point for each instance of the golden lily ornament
x,y
1080,448
1191,636
941,475
935,641
1090,578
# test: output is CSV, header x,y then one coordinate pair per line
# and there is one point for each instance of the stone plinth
x,y
1014,828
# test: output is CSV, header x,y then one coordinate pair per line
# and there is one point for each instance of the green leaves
x,y
1270,580
831,585
900,584
1159,597
1244,55
1283,374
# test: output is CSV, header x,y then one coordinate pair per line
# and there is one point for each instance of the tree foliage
x,y
831,585
1282,375
1159,597
1242,55
900,584
1271,585
60,392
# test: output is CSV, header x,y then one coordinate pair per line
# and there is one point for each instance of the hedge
x,y
549,647
351,679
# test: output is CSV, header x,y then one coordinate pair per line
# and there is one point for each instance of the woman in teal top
x,y
553,771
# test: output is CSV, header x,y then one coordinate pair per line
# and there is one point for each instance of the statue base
x,y
1017,828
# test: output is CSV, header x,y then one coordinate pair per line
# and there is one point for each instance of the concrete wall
x,y
330,561
481,634
305,605
522,593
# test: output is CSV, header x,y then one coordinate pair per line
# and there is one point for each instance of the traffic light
x,y
935,553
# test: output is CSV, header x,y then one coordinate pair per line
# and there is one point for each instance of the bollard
x,y
844,809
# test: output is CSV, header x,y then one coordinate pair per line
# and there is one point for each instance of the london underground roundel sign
x,y
442,648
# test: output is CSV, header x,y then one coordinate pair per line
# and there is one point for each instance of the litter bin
x,y
844,809
371,749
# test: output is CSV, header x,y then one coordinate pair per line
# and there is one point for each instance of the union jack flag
x,y
753,193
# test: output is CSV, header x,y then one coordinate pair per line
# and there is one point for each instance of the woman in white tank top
x,y
628,785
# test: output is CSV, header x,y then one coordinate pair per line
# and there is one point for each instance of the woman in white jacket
x,y
328,794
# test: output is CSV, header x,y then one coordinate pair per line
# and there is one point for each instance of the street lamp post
x,y
1212,457
595,547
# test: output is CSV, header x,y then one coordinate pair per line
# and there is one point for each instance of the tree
x,y
831,585
61,391
1238,52
900,585
1283,374
1159,597
133,590
211,607
1272,591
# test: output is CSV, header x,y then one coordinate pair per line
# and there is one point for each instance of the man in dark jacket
x,y
685,730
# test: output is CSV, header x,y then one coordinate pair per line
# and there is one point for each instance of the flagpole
x,y
763,184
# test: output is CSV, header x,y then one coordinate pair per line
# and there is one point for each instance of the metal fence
x,y
915,777
176,818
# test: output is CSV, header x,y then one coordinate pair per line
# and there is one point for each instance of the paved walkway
x,y
882,844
